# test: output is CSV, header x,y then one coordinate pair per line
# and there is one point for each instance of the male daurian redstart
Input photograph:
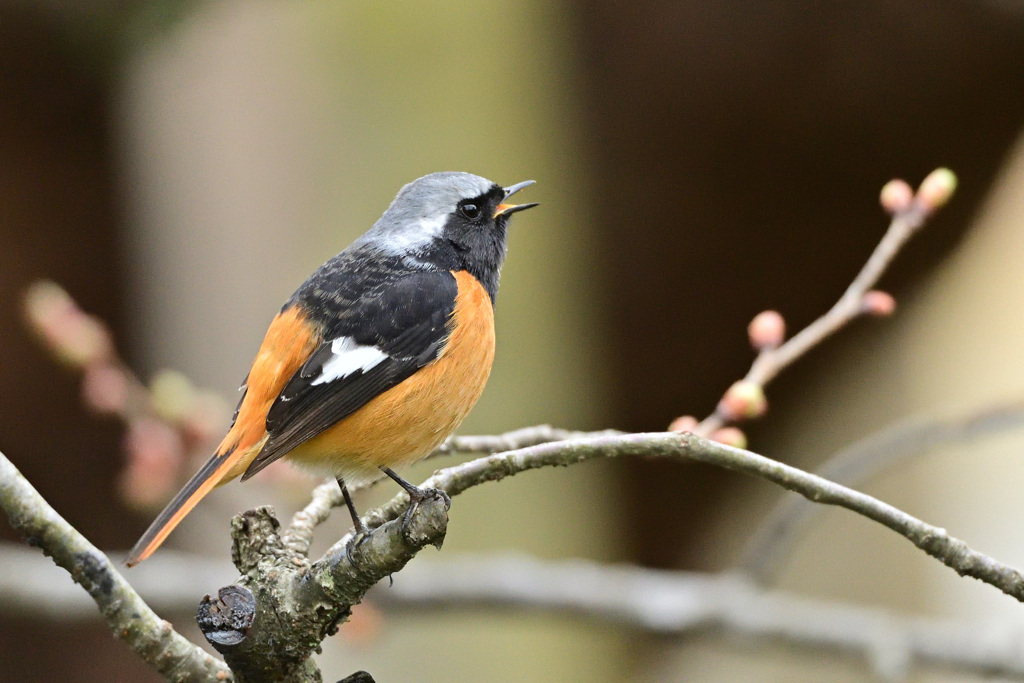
x,y
379,355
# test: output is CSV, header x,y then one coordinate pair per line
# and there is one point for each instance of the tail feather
x,y
201,483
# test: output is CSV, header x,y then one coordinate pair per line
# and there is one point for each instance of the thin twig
x,y
951,551
510,441
773,541
128,616
771,361
299,534
674,602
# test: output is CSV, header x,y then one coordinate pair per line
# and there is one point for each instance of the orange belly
x,y
408,421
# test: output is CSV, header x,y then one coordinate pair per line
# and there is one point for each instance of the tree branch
x,y
773,541
32,587
269,624
909,214
675,602
128,616
328,495
299,604
951,551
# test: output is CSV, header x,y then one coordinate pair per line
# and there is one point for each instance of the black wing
x,y
402,328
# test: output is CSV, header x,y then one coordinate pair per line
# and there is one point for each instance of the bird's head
x,y
453,221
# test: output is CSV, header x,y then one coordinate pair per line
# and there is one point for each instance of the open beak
x,y
508,209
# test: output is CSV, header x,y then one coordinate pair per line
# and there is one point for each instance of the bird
x,y
378,356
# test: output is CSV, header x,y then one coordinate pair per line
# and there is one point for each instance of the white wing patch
x,y
346,358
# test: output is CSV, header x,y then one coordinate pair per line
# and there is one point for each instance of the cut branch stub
x,y
358,677
270,623
226,621
255,541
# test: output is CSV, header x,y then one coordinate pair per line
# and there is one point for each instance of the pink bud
x,y
936,189
686,423
105,388
730,436
743,400
78,339
155,453
46,302
767,330
88,341
878,303
896,196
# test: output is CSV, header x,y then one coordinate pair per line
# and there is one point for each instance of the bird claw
x,y
417,497
436,494
359,536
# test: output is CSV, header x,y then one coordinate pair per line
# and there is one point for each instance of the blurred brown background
x,y
180,168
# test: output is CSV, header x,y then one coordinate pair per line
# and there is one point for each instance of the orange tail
x,y
201,483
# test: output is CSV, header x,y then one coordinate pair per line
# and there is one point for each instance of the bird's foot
x,y
353,546
418,496
417,529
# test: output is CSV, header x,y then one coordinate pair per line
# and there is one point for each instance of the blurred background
x,y
180,167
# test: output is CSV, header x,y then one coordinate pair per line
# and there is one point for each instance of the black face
x,y
476,238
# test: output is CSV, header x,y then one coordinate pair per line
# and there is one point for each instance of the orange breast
x,y
408,421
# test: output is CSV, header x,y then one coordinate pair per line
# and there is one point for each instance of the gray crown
x,y
419,211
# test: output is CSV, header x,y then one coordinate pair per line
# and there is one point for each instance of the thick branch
x,y
282,608
673,602
128,616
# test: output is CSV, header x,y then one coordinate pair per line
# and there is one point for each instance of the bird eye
x,y
470,211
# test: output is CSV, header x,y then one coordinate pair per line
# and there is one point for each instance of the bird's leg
x,y
358,523
416,494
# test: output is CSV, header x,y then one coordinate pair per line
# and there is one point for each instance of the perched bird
x,y
378,356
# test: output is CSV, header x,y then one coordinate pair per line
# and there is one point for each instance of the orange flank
x,y
288,343
405,423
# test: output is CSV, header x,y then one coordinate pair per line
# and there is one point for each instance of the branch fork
x,y
270,623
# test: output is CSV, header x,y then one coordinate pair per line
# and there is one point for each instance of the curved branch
x,y
327,495
773,541
128,616
951,551
307,601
